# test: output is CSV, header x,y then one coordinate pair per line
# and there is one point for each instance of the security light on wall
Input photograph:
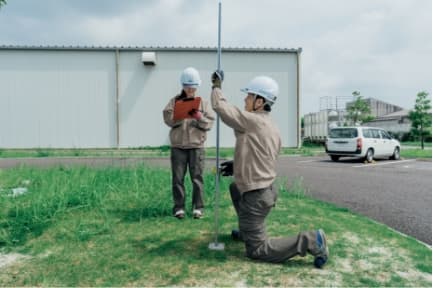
x,y
148,58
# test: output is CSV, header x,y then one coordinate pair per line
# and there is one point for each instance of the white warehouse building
x,y
113,97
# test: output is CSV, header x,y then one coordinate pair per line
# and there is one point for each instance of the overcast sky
x,y
382,48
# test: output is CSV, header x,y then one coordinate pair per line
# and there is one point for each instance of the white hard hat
x,y
190,77
263,86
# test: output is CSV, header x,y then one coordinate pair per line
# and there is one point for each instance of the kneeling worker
x,y
257,147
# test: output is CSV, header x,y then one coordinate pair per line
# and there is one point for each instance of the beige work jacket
x,y
189,133
257,146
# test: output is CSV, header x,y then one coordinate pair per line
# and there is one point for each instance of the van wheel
x,y
335,158
369,156
396,154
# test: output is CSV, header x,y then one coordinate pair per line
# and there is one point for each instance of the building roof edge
x,y
150,48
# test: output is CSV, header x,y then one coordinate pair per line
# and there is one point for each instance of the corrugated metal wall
x,y
67,98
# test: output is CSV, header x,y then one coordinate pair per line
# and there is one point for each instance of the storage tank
x,y
318,124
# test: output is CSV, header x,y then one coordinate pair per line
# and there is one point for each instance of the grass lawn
x,y
163,151
112,227
415,143
415,153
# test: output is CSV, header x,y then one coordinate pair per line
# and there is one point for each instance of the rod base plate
x,y
216,246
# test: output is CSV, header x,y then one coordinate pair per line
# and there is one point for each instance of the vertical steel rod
x,y
217,176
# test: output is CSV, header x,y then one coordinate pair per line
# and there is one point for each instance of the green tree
x,y
421,117
359,111
2,2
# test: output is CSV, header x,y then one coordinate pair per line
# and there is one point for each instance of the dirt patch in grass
x,y
10,259
376,262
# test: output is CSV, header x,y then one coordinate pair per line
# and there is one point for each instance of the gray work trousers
x,y
252,207
193,159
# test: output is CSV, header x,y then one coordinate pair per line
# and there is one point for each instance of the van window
x,y
375,133
385,134
343,133
367,133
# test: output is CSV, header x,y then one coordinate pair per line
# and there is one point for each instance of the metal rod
x,y
217,176
219,36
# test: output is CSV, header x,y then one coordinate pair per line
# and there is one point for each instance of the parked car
x,y
362,142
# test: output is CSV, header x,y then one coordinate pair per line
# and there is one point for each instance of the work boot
x,y
197,214
180,214
236,235
322,255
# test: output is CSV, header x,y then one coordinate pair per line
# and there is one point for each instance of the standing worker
x,y
257,147
187,138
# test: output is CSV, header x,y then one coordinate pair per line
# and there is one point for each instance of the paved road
x,y
397,193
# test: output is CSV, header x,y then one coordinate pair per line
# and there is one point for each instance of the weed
x,y
298,189
42,153
77,152
164,148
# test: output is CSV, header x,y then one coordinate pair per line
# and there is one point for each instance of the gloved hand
x,y
196,114
217,78
226,168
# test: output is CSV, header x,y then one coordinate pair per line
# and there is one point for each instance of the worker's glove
x,y
226,168
217,78
196,114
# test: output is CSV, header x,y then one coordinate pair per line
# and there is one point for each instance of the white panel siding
x,y
67,98
145,90
58,99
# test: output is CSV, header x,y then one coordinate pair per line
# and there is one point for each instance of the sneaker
x,y
321,257
180,214
236,235
197,214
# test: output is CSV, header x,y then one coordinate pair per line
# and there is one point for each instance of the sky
x,y
382,48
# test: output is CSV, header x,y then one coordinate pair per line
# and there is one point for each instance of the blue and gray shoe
x,y
321,257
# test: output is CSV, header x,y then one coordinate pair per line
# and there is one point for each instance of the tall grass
x,y
53,193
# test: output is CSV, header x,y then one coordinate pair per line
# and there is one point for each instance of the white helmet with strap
x,y
263,86
190,77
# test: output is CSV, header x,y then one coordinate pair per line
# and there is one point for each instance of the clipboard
x,y
182,107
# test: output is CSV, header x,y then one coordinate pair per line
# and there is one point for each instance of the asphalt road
x,y
396,193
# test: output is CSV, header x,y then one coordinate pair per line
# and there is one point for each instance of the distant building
x,y
388,116
378,108
396,122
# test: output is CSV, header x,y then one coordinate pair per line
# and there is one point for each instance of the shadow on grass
x,y
138,214
189,249
196,250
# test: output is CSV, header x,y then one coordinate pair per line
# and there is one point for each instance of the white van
x,y
362,142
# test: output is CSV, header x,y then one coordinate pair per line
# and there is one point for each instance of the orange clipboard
x,y
184,106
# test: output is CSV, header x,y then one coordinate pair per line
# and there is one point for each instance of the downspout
x,y
298,96
117,100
